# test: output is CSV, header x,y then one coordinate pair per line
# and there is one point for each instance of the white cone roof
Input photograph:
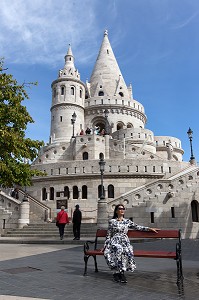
x,y
106,75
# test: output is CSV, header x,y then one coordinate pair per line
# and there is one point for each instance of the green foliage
x,y
15,148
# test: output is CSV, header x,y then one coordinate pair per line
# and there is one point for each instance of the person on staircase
x,y
77,219
62,219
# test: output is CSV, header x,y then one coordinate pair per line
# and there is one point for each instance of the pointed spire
x,y
107,72
69,69
69,58
69,50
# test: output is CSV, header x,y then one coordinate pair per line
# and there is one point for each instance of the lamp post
x,y
102,212
102,164
106,112
74,116
190,132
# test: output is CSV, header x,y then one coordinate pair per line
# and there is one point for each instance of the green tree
x,y
15,148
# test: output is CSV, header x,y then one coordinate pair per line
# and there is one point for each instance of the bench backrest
x,y
145,234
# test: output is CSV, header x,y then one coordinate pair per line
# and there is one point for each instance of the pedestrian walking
x,y
62,220
77,219
118,251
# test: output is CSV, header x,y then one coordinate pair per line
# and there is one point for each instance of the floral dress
x,y
118,251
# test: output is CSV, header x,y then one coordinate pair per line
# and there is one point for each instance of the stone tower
x,y
68,93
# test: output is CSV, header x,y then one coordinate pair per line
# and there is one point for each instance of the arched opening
x,y
194,210
84,192
121,94
120,126
66,192
99,126
100,190
62,90
52,193
44,194
85,156
110,191
75,192
129,125
101,155
80,93
72,90
101,93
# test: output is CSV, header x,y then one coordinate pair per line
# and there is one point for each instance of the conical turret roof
x,y
106,77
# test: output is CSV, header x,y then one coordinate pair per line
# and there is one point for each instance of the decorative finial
x,y
106,32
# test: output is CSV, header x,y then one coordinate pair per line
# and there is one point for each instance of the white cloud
x,y
186,21
39,31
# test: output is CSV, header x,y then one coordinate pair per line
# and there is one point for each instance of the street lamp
x,y
102,164
190,132
74,116
106,112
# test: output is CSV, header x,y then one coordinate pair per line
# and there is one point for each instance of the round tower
x,y
68,94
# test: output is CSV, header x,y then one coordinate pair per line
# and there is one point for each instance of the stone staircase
x,y
49,230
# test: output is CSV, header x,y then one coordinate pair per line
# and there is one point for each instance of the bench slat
x,y
144,234
140,253
155,254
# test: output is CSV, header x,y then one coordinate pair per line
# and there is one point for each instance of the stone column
x,y
102,214
106,193
24,213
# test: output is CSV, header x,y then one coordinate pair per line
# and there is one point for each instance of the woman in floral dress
x,y
118,251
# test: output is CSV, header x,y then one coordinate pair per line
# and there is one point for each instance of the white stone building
x,y
143,171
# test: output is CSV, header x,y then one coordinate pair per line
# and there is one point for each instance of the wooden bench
x,y
134,234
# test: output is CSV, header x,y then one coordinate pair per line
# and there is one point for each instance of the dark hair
x,y
115,210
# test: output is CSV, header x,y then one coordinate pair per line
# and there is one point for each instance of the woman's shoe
x,y
116,277
122,278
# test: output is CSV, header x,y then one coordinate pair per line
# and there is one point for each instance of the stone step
x,y
49,230
45,231
40,235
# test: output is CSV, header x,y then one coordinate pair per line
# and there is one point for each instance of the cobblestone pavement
x,y
56,272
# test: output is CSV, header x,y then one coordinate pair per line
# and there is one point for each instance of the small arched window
x,y
84,192
66,192
51,193
85,155
119,126
72,90
101,155
75,192
62,90
80,93
101,93
100,191
110,191
44,194
121,94
195,210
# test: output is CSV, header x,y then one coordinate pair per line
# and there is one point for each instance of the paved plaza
x,y
55,271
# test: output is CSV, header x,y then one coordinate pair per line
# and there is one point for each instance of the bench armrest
x,y
87,245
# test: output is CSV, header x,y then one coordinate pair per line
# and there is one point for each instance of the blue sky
x,y
156,43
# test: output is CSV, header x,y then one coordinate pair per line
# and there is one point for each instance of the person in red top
x,y
62,218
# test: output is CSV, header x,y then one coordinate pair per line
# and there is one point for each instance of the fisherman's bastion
x,y
98,138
